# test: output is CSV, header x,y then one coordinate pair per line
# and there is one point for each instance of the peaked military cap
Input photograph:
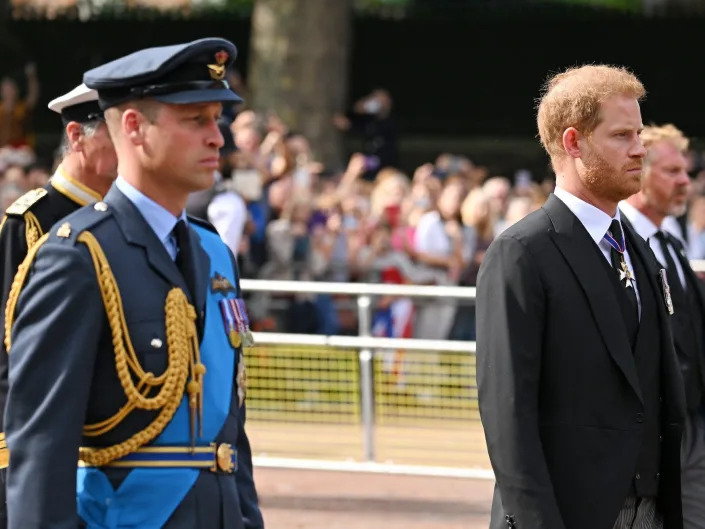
x,y
80,105
194,72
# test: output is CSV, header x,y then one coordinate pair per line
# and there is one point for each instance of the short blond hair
x,y
573,98
654,134
149,108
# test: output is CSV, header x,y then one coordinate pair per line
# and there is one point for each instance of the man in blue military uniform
x,y
87,170
126,347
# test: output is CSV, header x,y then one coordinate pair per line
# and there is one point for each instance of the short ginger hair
x,y
573,98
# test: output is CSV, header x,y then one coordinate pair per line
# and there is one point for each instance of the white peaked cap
x,y
80,94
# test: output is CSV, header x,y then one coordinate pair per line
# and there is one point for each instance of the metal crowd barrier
x,y
362,403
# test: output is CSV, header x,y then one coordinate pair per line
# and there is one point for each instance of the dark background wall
x,y
463,79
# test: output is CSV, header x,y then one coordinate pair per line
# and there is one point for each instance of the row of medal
x,y
236,322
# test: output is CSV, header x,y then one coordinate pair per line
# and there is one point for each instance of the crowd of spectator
x,y
286,216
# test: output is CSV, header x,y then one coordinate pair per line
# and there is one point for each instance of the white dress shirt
x,y
647,230
597,222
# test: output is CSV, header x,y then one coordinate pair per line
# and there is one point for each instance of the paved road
x,y
310,499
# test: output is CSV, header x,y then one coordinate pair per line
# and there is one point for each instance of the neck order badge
x,y
615,239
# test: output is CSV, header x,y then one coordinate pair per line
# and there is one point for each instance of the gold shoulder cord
x,y
33,230
183,357
17,284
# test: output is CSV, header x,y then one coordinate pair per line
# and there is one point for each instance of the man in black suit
x,y
579,388
664,192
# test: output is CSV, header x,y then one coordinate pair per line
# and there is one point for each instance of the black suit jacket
x,y
689,349
62,372
559,395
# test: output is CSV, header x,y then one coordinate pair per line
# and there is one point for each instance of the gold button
x,y
100,206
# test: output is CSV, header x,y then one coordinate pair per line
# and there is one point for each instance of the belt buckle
x,y
222,458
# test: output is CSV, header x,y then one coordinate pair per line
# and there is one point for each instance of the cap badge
x,y
217,71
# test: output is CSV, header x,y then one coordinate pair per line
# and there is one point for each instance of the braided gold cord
x,y
33,230
183,354
2,222
16,288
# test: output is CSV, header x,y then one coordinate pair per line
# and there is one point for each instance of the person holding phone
x,y
371,119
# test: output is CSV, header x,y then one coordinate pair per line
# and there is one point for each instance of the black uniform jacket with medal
x,y
63,374
25,221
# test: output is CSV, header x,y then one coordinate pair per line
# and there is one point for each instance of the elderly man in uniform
x,y
664,192
85,174
126,347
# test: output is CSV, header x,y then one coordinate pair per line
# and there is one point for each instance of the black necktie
x,y
674,281
615,238
185,258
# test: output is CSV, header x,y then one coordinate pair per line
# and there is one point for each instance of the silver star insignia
x,y
626,275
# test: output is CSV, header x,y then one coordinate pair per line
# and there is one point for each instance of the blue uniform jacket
x,y
62,373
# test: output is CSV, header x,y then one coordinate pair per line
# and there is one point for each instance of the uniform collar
x,y
158,217
68,186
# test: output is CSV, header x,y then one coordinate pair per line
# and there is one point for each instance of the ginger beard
x,y
605,180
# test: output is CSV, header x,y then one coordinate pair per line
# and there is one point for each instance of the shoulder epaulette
x,y
80,220
202,223
26,201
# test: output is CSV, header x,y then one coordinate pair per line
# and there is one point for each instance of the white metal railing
x,y
357,289
365,343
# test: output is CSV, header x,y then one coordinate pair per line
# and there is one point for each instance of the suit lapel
x,y
139,233
578,249
691,278
674,403
651,265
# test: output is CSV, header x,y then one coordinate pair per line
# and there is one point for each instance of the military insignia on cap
x,y
221,284
26,201
64,230
217,70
